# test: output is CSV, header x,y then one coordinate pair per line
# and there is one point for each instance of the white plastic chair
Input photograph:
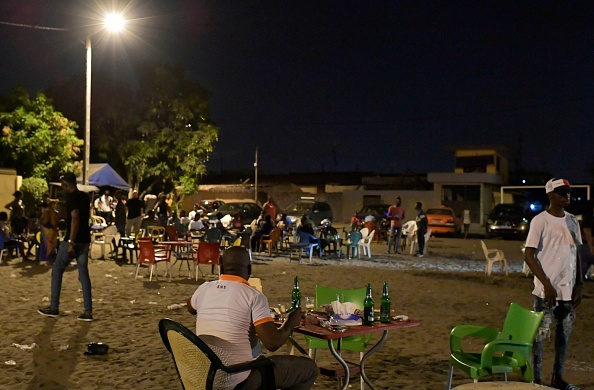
x,y
408,234
414,245
493,256
105,238
365,244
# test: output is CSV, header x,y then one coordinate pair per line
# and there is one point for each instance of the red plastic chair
x,y
207,253
152,254
171,233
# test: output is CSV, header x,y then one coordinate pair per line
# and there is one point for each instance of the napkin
x,y
343,308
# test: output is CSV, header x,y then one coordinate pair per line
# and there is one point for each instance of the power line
x,y
33,26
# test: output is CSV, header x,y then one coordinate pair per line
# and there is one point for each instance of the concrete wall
x,y
344,204
352,201
9,183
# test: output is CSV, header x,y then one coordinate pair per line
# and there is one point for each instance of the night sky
x,y
381,86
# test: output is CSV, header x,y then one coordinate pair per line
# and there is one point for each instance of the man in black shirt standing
x,y
76,245
422,226
134,206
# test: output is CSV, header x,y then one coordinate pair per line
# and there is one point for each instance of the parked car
x,y
315,210
248,211
508,220
209,206
443,220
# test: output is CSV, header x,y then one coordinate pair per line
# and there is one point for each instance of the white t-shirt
x,y
229,309
554,239
196,225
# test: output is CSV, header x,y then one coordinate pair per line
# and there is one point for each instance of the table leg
x,y
344,364
367,354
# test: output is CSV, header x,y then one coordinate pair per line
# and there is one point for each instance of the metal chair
x,y
202,366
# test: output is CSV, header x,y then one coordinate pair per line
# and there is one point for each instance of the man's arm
x,y
534,264
190,308
272,337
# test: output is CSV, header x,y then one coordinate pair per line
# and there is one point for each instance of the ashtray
x,y
338,328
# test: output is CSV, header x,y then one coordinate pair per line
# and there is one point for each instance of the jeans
x,y
290,372
563,314
62,261
395,237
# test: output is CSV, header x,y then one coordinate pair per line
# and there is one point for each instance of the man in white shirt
x,y
232,316
551,253
104,206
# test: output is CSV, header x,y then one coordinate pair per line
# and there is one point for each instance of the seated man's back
x,y
231,316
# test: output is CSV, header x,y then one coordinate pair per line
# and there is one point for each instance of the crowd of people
x,y
557,250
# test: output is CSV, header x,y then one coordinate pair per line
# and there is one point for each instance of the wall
x,y
9,183
352,201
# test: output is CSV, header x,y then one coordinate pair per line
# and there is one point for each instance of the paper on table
x,y
343,308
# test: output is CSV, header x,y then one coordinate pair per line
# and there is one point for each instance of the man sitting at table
x,y
236,315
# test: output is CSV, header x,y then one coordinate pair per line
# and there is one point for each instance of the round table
x,y
501,385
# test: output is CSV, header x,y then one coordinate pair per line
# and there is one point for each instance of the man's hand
x,y
550,295
576,295
70,250
295,317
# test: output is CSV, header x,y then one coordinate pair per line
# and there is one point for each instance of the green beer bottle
x,y
295,295
385,305
368,314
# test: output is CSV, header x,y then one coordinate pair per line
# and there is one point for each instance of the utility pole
x,y
256,177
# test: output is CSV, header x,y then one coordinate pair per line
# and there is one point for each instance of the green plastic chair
x,y
324,296
506,351
352,244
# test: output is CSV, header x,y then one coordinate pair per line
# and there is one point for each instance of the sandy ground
x,y
444,289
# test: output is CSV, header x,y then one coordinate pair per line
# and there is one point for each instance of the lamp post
x,y
113,22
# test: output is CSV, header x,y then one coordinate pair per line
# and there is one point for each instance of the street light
x,y
112,22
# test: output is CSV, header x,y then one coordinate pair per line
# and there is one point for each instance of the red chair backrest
x,y
171,232
208,253
147,251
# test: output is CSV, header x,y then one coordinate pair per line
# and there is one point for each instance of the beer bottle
x,y
385,305
295,295
368,312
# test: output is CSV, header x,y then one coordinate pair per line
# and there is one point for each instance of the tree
x,y
37,140
175,135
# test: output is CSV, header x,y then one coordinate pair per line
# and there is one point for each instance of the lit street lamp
x,y
112,22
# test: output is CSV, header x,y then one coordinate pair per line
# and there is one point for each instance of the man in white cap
x,y
551,253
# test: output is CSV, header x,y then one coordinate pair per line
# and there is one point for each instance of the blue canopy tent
x,y
104,175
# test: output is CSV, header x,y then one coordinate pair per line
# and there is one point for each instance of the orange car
x,y
443,220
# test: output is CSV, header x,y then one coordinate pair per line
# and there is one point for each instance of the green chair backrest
x,y
520,324
325,295
354,238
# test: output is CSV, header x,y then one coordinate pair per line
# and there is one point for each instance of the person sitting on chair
x,y
263,230
236,315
